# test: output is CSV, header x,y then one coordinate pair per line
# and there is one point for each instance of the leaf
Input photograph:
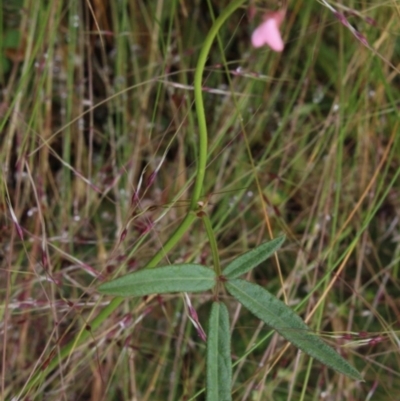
x,y
288,324
219,364
161,280
253,258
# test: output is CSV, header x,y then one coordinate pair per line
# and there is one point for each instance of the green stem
x,y
198,96
213,243
187,221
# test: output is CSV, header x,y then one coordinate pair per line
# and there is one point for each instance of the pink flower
x,y
268,32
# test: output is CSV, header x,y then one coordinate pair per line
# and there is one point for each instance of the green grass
x,y
93,101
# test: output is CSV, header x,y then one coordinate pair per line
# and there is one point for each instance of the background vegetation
x,y
98,141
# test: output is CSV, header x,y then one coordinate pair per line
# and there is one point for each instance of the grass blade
x,y
253,258
288,324
162,280
219,364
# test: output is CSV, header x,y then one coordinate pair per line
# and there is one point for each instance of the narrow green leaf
x,y
161,280
288,324
219,364
253,258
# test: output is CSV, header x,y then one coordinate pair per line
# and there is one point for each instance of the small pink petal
x,y
268,32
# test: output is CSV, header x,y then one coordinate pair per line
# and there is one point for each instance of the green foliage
x,y
265,306
281,318
253,258
219,364
162,280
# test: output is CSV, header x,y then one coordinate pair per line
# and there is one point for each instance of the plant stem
x,y
213,243
198,96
